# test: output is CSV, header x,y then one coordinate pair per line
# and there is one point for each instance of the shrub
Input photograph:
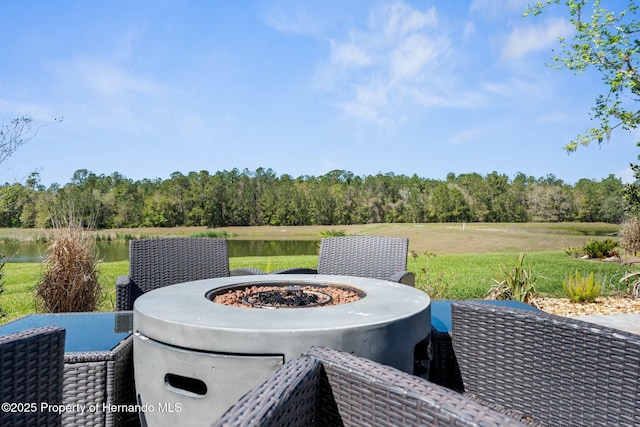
x,y
333,233
213,234
436,285
70,279
517,283
632,282
573,252
600,248
630,236
582,289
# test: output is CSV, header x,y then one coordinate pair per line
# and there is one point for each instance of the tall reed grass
x,y
70,280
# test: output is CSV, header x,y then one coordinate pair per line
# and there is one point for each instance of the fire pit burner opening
x,y
285,295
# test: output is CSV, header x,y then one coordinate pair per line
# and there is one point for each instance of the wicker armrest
x,y
287,398
123,293
404,277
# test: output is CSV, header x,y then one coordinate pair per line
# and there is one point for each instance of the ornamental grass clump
x,y
632,283
582,289
630,236
70,279
516,284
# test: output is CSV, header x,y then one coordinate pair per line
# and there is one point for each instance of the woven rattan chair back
x,y
554,370
31,374
155,263
363,256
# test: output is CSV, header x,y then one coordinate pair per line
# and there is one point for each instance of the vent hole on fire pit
x,y
192,386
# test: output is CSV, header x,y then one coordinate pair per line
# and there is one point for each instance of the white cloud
x,y
350,54
287,18
384,68
107,79
413,55
104,94
401,19
528,87
368,102
405,60
626,175
439,96
531,38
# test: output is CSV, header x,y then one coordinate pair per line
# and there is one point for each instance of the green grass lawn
x,y
447,276
471,276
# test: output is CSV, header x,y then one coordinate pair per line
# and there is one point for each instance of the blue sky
x,y
148,88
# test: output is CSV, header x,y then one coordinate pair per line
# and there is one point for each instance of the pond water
x,y
119,251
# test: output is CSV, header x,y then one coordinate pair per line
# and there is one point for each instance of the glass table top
x,y
97,331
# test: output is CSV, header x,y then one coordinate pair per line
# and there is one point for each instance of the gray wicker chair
x,y
553,370
154,263
327,387
376,257
31,374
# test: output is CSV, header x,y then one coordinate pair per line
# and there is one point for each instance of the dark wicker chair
x,y
376,257
31,374
327,387
554,371
154,263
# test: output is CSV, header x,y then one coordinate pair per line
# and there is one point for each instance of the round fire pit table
x,y
194,357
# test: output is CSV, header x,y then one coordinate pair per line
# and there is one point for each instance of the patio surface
x,y
625,322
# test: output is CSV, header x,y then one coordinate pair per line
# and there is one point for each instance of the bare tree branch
x,y
18,132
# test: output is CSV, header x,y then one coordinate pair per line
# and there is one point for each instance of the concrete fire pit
x,y
194,357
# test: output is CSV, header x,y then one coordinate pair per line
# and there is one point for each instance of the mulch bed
x,y
602,305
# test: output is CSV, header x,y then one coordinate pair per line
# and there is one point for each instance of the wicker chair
x,y
554,371
327,387
154,263
377,257
31,373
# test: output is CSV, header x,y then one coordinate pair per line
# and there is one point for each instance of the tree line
x,y
260,197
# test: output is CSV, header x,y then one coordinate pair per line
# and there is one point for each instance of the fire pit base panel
x,y
189,387
198,357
